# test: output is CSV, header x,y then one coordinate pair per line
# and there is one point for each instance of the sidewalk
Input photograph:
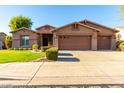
x,y
64,73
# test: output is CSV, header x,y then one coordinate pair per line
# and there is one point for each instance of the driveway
x,y
72,68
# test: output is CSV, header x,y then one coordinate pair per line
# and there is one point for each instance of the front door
x,y
45,41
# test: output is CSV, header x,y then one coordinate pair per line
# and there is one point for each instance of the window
x,y
24,40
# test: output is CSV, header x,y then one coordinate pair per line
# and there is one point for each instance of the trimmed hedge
x,y
52,54
19,49
44,48
34,46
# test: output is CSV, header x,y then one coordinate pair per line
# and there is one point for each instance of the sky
x,y
61,15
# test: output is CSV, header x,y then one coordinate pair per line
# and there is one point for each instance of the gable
x,y
75,29
104,30
22,32
45,29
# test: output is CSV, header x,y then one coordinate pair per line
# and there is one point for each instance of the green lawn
x,y
19,56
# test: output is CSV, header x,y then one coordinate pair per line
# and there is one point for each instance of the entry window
x,y
24,40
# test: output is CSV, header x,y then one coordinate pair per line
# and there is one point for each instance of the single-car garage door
x,y
104,42
75,42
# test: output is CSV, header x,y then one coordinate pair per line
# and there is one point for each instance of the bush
x,y
118,43
24,48
8,42
15,48
121,46
20,48
10,49
44,48
52,54
4,45
29,48
34,46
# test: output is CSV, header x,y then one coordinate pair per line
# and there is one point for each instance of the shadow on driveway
x,y
65,54
68,59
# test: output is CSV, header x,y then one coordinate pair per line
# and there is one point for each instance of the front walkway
x,y
72,68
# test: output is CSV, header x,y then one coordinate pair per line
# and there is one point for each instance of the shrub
x,y
121,46
52,54
29,48
20,48
4,45
44,48
34,46
10,48
15,48
118,43
8,42
24,48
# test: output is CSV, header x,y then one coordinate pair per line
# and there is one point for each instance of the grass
x,y
7,56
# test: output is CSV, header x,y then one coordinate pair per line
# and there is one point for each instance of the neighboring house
x,y
2,39
83,35
120,34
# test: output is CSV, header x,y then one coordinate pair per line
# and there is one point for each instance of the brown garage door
x,y
74,42
104,42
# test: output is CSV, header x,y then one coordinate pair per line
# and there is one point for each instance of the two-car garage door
x,y
83,42
75,42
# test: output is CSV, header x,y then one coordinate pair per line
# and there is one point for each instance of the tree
x,y
20,21
8,41
122,11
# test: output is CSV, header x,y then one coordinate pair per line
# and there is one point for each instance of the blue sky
x,y
61,15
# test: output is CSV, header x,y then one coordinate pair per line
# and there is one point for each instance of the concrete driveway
x,y
72,68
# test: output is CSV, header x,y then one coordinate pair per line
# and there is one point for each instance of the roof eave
x,y
99,25
23,28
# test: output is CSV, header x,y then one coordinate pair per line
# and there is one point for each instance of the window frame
x,y
25,44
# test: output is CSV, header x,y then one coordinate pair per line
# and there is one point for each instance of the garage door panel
x,y
104,42
75,42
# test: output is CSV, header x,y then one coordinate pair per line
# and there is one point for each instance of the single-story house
x,y
82,35
2,39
